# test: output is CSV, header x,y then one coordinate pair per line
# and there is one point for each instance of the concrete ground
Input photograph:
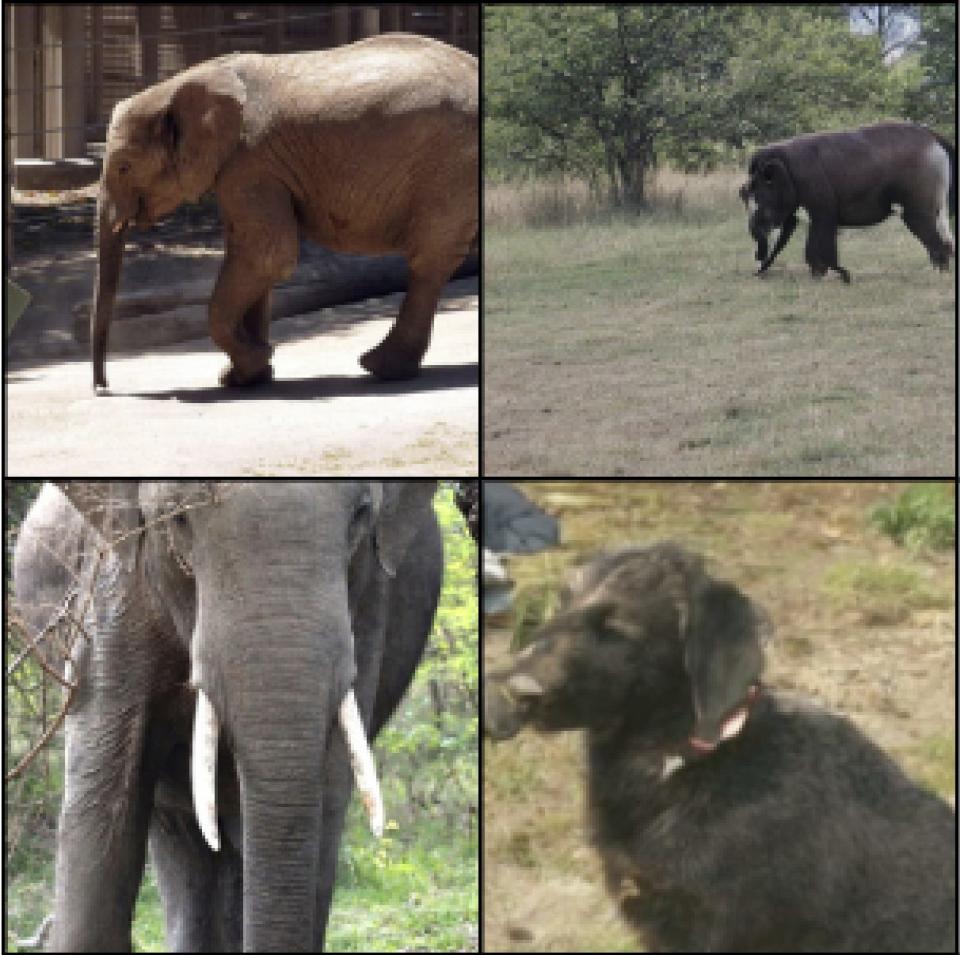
x,y
166,415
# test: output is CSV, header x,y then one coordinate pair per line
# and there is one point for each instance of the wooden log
x,y
158,316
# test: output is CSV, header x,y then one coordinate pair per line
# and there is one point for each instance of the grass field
x,y
644,345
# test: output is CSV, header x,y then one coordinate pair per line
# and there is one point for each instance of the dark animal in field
x,y
852,178
728,818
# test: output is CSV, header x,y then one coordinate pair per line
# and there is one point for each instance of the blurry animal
x,y
852,178
728,817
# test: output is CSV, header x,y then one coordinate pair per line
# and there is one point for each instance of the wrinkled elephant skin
x,y
266,621
370,148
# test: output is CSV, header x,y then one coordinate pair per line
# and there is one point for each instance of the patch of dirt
x,y
166,414
861,625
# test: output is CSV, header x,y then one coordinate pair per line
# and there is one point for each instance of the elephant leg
x,y
255,325
102,836
924,226
821,250
399,355
262,248
202,891
239,302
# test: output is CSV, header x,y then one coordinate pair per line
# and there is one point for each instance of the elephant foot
x,y
390,363
233,377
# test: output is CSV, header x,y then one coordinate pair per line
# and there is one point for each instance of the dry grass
x,y
644,345
539,203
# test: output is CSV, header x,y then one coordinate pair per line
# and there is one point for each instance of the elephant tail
x,y
952,153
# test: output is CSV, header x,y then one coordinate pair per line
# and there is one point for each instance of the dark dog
x,y
727,818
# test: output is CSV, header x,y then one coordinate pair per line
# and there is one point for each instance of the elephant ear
x,y
401,506
201,126
775,173
112,508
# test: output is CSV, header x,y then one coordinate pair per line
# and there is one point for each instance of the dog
x,y
727,816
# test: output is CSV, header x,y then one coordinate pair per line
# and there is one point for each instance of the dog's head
x,y
644,636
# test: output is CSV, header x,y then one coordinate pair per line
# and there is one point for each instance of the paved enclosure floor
x,y
322,415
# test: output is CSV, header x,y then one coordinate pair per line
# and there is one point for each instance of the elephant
x,y
370,148
852,178
242,642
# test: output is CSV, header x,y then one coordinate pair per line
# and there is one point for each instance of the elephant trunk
x,y
110,232
203,764
279,699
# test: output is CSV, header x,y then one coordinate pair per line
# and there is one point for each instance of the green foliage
x,y
427,763
33,799
429,748
883,595
924,515
933,97
589,89
433,869
795,71
149,932
606,92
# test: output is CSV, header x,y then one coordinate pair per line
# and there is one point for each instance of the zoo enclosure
x,y
69,64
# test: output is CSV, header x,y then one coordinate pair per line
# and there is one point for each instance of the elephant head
x,y
770,196
164,146
769,193
277,612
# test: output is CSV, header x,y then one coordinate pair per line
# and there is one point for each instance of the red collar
x,y
696,747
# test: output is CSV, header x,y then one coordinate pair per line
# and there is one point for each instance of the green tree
x,y
608,91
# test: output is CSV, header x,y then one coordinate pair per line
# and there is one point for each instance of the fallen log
x,y
154,316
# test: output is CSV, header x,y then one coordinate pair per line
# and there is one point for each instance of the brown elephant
x,y
370,148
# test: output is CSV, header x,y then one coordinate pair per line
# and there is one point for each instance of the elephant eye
x,y
123,168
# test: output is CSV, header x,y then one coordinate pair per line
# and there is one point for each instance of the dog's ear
x,y
723,658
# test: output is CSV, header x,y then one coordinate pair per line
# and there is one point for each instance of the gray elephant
x,y
369,148
233,631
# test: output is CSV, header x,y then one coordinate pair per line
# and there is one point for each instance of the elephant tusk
x,y
361,759
203,769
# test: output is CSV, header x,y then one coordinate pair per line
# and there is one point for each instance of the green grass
x,y
924,515
644,344
884,595
412,891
